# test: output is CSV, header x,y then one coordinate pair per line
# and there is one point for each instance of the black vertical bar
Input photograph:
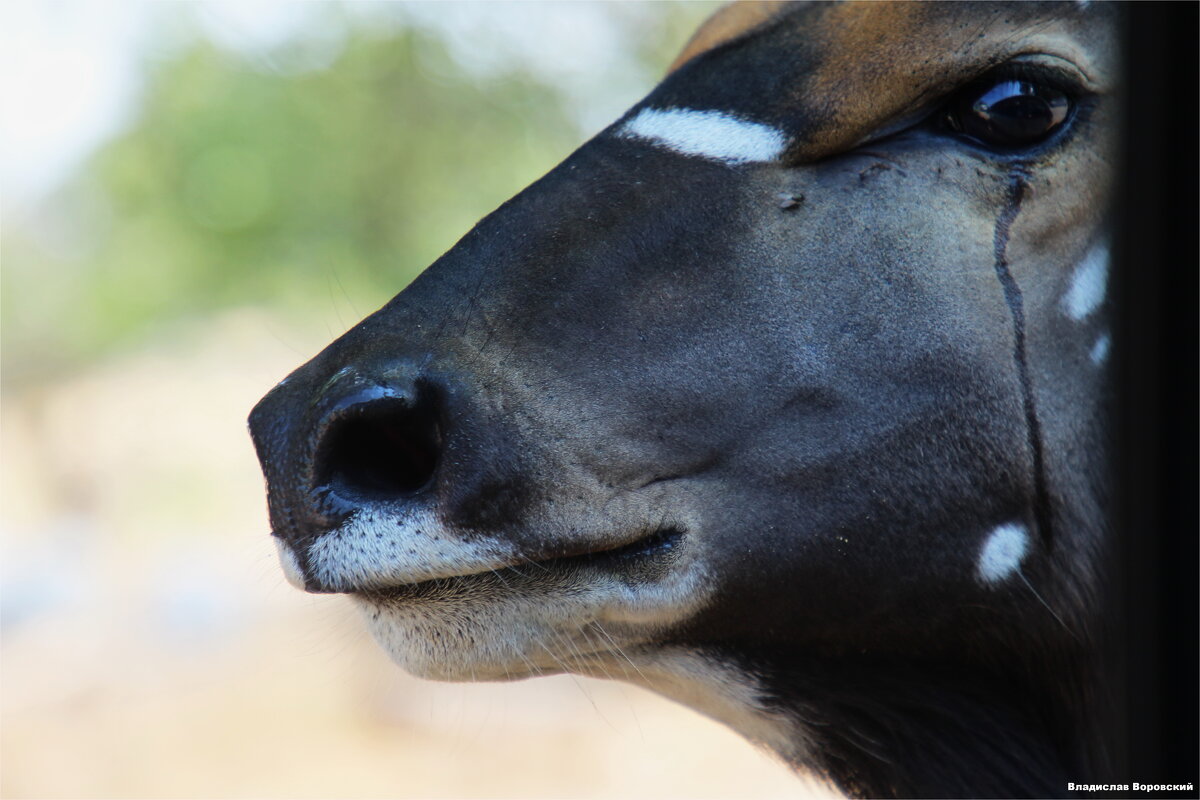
x,y
1157,363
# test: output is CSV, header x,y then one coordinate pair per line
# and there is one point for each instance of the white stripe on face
x,y
1089,283
714,135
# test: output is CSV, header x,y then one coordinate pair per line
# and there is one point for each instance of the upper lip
x,y
663,538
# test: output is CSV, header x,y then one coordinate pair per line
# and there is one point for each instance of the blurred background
x,y
197,198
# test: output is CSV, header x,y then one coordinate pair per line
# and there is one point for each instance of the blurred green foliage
x,y
239,185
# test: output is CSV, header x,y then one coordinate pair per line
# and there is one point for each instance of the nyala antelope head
x,y
784,396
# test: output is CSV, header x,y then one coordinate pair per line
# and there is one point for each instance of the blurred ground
x,y
150,647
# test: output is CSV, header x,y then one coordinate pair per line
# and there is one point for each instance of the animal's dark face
x,y
804,352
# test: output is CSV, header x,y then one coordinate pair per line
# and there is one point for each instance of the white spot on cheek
x,y
291,567
1088,284
1100,349
1002,552
714,135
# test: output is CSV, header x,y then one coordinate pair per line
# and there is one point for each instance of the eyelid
x,y
1058,70
1060,73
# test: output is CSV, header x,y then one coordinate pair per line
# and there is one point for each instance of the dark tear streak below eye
x,y
1016,307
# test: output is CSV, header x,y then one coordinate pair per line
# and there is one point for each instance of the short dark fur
x,y
842,396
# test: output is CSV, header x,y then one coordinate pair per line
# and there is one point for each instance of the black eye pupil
x,y
1010,113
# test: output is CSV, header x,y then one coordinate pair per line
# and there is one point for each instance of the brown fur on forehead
x,y
733,20
858,66
881,59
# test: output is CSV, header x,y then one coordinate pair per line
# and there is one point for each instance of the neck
x,y
887,729
890,727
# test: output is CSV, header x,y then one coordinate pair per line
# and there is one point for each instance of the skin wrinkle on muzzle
x,y
784,396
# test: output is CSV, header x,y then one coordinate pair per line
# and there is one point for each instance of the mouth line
x,y
657,549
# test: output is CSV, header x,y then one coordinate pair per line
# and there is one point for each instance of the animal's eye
x,y
1008,112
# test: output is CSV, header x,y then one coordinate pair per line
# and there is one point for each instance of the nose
x,y
363,438
378,444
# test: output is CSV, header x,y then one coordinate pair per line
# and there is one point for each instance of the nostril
x,y
385,449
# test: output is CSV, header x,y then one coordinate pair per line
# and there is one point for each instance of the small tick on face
x,y
789,201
